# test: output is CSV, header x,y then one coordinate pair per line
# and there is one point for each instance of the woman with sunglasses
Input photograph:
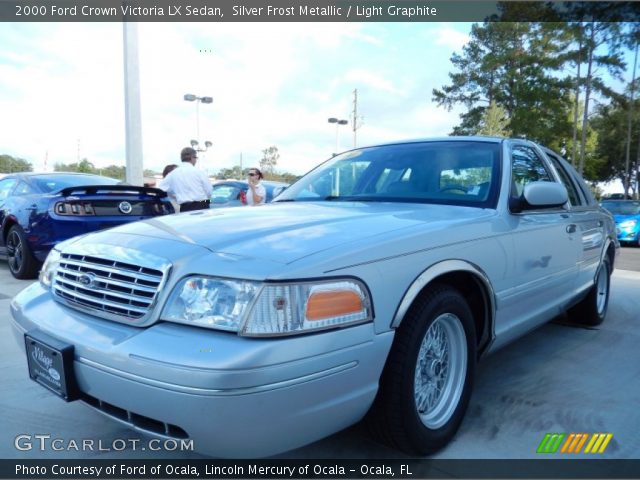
x,y
256,195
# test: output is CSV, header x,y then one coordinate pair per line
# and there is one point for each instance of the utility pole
x,y
355,123
627,171
133,117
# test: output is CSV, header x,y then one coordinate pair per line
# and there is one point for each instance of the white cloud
x,y
373,80
272,84
451,38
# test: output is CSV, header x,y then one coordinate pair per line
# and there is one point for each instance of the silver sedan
x,y
369,288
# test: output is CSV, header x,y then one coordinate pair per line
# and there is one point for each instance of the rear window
x,y
55,183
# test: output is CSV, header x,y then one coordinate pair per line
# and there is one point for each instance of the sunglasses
x,y
253,174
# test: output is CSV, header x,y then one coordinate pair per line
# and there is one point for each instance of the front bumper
x,y
631,234
233,396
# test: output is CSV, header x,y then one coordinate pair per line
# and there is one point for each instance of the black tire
x,y
395,416
592,310
22,264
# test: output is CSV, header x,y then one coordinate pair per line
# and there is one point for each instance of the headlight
x,y
49,268
210,302
263,310
628,224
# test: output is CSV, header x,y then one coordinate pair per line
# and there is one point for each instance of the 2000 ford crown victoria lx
x,y
371,286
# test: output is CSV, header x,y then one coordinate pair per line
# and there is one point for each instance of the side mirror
x,y
540,195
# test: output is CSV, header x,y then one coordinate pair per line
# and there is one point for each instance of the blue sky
x,y
61,89
62,94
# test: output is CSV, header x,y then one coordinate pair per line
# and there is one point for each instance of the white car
x,y
369,288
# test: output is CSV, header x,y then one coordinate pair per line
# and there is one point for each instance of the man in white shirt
x,y
191,187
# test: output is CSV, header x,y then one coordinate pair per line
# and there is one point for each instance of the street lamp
x,y
189,97
338,123
207,145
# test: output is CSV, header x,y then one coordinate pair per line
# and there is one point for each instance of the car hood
x,y
624,218
286,232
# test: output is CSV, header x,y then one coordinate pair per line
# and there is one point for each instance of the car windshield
x,y
444,172
622,208
54,183
224,192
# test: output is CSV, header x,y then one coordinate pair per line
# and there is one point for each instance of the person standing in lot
x,y
257,194
167,170
191,187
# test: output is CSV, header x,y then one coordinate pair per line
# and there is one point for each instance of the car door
x,y
587,221
545,250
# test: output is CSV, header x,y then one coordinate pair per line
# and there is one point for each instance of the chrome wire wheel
x,y
15,251
441,369
602,289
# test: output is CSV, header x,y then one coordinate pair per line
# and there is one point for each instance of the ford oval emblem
x,y
125,207
54,374
87,279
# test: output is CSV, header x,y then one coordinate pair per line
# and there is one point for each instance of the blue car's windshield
x,y
444,172
623,208
56,182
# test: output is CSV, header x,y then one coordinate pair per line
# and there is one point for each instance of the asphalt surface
x,y
557,379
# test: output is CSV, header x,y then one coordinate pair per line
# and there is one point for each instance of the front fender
x,y
444,268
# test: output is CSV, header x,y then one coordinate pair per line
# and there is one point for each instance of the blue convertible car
x,y
626,214
39,210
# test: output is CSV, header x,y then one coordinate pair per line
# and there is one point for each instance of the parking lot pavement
x,y
557,379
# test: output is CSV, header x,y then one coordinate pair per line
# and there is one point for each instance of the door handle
x,y
571,228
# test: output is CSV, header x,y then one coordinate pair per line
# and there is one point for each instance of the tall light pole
x,y
338,123
189,97
133,120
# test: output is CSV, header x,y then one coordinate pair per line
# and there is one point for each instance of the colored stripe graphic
x,y
550,443
573,443
598,442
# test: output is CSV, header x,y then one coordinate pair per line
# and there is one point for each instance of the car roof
x,y
476,138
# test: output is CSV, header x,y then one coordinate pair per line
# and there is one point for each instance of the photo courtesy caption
x,y
209,470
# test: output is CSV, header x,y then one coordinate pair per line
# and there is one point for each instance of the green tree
x,y
235,172
85,166
513,64
600,36
112,171
611,125
494,122
9,164
269,159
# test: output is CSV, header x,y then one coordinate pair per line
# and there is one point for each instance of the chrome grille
x,y
108,286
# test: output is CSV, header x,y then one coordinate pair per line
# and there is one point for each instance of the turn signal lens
x,y
315,305
326,304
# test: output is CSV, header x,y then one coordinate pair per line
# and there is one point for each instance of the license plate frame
x,y
50,364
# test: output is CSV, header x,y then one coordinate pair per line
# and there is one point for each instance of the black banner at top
x,y
309,11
